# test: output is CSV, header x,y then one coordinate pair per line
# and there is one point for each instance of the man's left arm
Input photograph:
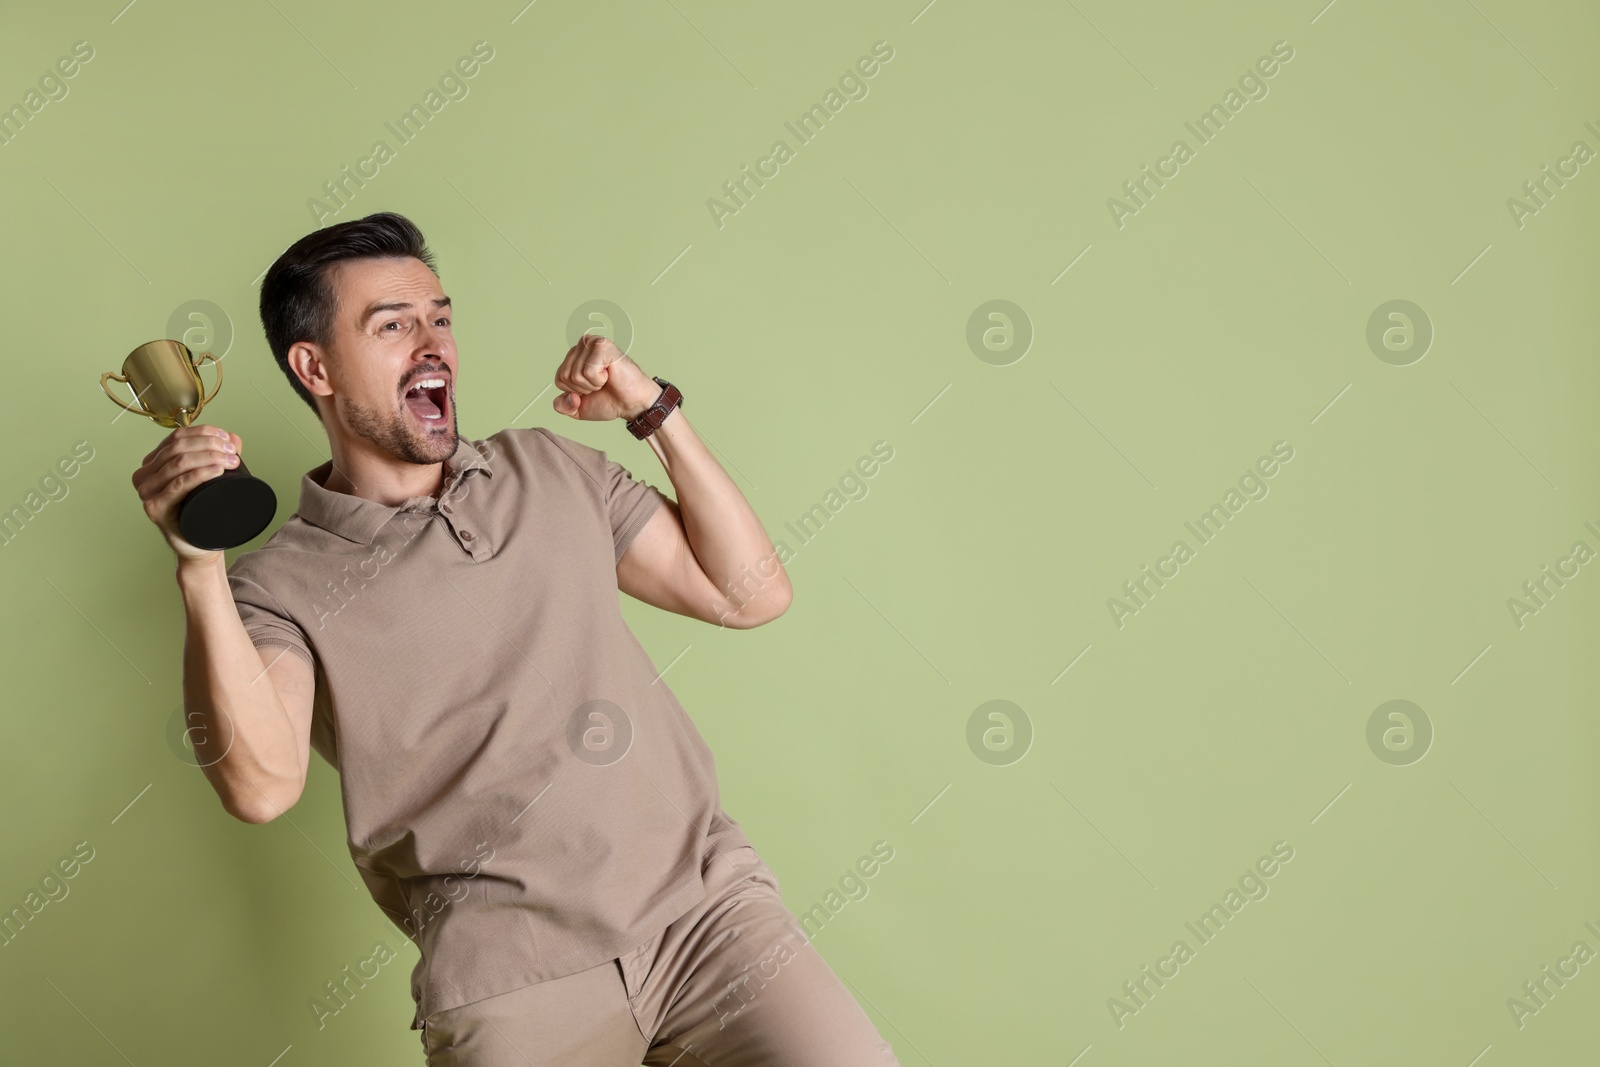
x,y
706,555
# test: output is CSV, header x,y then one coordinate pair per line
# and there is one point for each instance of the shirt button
x,y
466,535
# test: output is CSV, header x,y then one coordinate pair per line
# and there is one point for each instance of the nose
x,y
430,348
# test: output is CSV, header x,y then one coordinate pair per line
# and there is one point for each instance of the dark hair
x,y
298,301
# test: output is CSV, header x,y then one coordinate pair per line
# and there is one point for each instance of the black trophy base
x,y
228,510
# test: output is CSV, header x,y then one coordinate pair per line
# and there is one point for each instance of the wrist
x,y
192,571
642,402
652,415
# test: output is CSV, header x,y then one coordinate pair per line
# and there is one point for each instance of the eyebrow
x,y
405,305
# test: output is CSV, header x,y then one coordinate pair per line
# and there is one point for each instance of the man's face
x,y
393,358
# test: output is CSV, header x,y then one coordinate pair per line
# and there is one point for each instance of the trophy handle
x,y
114,397
205,397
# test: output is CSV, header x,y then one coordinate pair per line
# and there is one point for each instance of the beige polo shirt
x,y
523,795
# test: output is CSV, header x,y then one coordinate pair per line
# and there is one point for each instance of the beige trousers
x,y
732,983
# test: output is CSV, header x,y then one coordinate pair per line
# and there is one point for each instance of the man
x,y
523,794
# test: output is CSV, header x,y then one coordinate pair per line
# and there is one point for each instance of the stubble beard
x,y
392,432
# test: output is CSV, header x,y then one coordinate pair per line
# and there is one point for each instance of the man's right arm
x,y
248,711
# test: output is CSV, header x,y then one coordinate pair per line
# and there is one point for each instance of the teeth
x,y
426,383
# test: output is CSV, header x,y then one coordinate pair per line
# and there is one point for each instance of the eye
x,y
392,322
441,322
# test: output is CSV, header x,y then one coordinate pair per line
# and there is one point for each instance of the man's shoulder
x,y
294,538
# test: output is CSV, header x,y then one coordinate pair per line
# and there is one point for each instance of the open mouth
x,y
428,398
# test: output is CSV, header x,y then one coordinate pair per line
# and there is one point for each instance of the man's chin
x,y
404,435
437,442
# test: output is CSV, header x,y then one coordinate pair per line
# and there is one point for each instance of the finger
x,y
569,376
197,431
593,349
149,472
206,432
181,465
188,445
185,483
575,353
594,370
199,441
560,376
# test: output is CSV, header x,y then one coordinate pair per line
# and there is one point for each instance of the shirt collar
x,y
358,519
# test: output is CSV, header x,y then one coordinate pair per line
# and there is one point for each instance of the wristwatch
x,y
650,419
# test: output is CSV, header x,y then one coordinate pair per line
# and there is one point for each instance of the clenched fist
x,y
185,458
600,382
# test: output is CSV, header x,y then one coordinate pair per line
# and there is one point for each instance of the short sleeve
x,y
630,502
265,620
627,501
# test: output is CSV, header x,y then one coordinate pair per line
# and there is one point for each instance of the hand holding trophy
x,y
225,509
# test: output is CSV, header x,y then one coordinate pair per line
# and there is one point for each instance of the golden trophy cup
x,y
221,512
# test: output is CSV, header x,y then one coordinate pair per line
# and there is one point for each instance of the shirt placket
x,y
462,526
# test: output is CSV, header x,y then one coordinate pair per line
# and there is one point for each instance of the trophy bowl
x,y
221,512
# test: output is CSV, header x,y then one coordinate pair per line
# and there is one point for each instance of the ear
x,y
309,363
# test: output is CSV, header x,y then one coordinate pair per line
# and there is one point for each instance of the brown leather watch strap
x,y
650,420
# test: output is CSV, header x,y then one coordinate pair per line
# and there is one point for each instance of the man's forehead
x,y
363,283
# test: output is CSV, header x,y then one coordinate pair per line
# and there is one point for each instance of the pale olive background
x,y
828,314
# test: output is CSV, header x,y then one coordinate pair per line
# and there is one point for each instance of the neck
x,y
360,469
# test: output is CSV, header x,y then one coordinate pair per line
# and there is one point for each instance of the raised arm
x,y
707,555
248,712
